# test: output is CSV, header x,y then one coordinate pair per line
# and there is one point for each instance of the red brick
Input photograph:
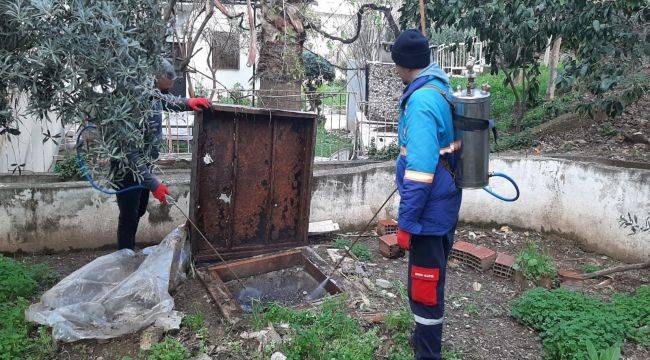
x,y
504,259
482,258
461,251
463,246
387,226
503,265
388,246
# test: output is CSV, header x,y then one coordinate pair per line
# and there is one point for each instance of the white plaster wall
x,y
580,199
28,147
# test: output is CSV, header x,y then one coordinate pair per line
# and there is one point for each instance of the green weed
x,y
612,353
389,152
534,264
472,309
589,268
325,333
18,338
169,349
607,129
569,320
361,251
194,321
20,280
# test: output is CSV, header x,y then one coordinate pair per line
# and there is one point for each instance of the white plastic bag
x,y
116,294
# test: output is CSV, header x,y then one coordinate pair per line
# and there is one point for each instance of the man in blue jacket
x,y
430,200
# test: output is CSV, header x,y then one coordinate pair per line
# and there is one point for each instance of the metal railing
x,y
334,140
452,58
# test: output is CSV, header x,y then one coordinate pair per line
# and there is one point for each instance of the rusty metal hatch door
x,y
251,180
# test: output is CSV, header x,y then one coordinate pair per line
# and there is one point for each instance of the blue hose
x,y
82,166
501,197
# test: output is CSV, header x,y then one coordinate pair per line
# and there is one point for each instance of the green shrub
x,y
568,320
534,264
389,152
169,349
68,168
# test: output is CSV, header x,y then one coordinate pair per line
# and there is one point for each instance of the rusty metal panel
x,y
251,180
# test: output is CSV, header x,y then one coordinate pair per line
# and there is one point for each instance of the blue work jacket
x,y
430,200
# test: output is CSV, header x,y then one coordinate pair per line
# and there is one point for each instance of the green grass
x,y
327,143
568,321
193,321
361,251
169,349
328,332
325,333
19,283
589,268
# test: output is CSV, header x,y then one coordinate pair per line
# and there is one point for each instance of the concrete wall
x,y
582,199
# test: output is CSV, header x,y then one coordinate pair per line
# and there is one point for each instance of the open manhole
x,y
287,278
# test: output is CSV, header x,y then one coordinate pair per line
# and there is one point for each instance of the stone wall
x,y
384,90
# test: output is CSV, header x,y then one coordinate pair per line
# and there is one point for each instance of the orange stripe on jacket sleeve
x,y
422,177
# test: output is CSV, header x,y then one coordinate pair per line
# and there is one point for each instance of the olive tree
x,y
84,61
605,41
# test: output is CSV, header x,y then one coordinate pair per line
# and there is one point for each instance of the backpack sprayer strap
x,y
463,122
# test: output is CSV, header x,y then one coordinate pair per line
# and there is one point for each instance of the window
x,y
225,51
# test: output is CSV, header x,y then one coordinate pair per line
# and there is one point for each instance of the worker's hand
x,y
198,104
161,193
403,239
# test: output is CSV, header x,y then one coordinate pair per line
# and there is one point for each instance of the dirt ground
x,y
625,138
477,323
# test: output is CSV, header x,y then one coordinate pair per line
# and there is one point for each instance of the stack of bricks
x,y
476,257
503,266
386,227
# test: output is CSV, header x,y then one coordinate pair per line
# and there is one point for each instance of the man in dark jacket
x,y
133,203
430,200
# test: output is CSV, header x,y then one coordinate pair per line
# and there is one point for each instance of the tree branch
x,y
386,10
615,269
195,40
169,10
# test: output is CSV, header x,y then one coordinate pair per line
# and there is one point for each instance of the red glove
x,y
403,239
198,104
161,193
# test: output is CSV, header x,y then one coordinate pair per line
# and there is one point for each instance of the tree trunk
x,y
553,62
280,67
